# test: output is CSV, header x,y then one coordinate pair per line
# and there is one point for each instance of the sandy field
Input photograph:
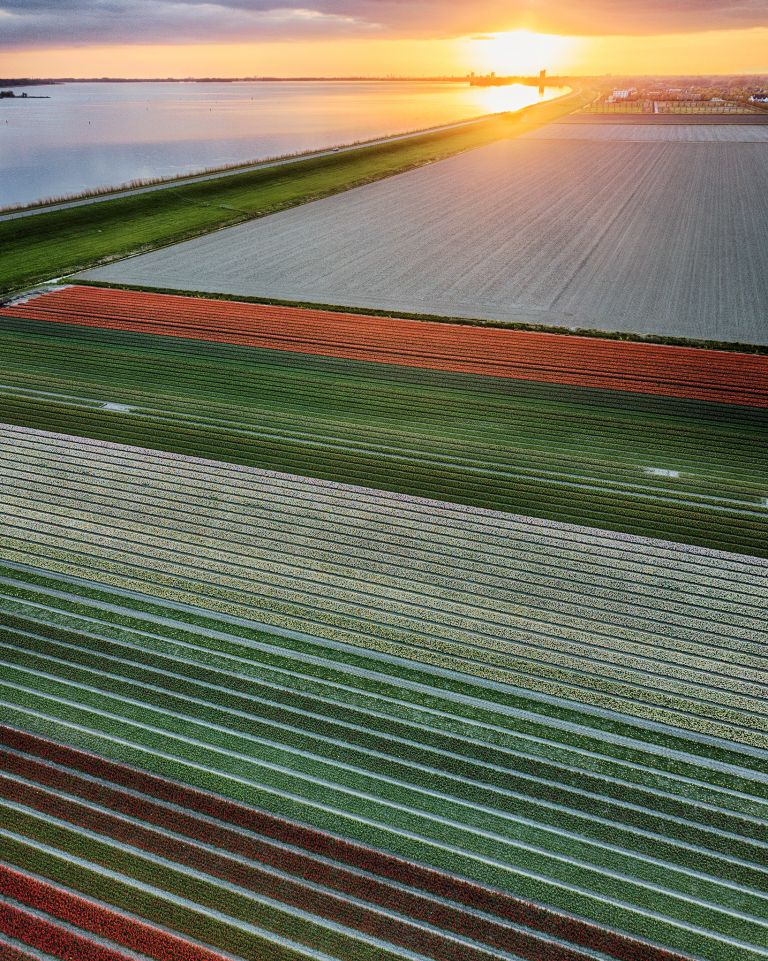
x,y
656,236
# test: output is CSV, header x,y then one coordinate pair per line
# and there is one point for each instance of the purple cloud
x,y
57,22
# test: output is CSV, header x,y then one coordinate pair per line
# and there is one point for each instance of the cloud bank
x,y
55,23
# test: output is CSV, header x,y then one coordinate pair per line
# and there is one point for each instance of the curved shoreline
x,y
43,207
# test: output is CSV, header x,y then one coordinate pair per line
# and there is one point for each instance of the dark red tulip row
x,y
308,862
723,376
45,935
89,916
11,953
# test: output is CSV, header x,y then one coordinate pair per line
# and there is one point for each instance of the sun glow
x,y
518,52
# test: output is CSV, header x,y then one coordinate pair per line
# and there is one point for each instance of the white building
x,y
621,95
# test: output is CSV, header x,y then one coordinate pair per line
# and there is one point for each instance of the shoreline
x,y
47,205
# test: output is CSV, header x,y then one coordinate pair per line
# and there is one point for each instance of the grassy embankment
x,y
43,246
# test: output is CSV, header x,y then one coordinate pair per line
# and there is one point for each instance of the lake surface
x,y
90,135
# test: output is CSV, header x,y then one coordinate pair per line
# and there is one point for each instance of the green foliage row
x,y
477,441
541,800
222,642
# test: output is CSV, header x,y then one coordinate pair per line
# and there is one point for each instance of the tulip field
x,y
327,637
305,750
695,472
728,377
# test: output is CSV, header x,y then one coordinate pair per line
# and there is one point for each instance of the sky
x,y
151,38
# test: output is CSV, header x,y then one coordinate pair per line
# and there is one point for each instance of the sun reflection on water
x,y
511,97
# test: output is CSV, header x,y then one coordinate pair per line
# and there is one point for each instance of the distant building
x,y
622,95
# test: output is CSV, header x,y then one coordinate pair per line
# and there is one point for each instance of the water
x,y
90,135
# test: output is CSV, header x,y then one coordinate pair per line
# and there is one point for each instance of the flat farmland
x,y
667,633
619,236
695,471
644,133
665,118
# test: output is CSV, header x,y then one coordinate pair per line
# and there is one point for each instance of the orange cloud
x,y
743,51
47,23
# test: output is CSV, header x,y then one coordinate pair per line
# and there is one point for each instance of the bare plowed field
x,y
666,118
643,133
662,238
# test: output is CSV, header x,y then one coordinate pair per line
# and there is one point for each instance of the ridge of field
x,y
297,866
694,472
458,589
656,835
51,244
693,373
608,235
678,132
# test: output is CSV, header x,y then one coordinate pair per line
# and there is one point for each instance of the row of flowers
x,y
44,934
310,844
552,358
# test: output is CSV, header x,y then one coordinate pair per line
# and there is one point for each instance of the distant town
x,y
651,94
720,93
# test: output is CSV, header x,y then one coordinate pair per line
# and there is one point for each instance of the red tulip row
x,y
46,935
289,892
723,376
415,893
11,953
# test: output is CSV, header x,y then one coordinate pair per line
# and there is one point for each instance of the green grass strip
x,y
45,245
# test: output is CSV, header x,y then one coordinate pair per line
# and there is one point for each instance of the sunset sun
x,y
518,52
